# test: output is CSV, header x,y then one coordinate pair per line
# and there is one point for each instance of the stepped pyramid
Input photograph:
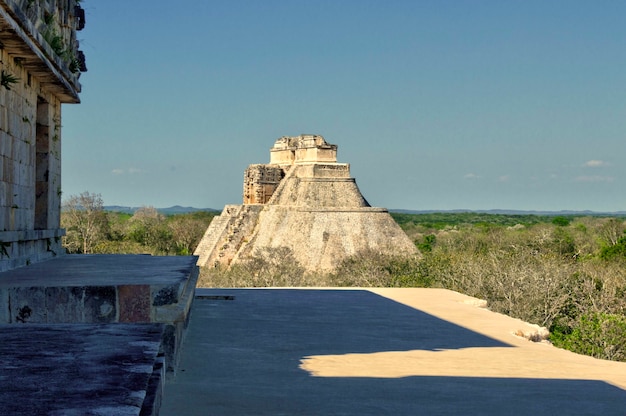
x,y
303,200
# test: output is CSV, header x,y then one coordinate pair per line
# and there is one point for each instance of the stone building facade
x,y
307,202
260,182
40,65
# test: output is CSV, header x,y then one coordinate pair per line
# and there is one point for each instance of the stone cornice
x,y
35,54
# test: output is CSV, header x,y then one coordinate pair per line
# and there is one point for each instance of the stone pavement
x,y
376,352
80,369
92,334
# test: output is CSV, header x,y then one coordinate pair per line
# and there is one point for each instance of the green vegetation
x,y
91,229
444,220
7,79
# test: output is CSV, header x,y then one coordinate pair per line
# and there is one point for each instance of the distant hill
x,y
176,209
513,212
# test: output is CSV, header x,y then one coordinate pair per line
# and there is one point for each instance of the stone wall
x,y
260,182
39,71
104,289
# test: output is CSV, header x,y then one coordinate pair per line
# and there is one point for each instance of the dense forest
x,y
566,273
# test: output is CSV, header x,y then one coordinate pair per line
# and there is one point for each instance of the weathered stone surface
x,y
80,369
65,304
166,295
376,352
28,305
324,238
134,303
100,304
307,202
101,270
5,314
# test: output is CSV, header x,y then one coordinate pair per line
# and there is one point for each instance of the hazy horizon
x,y
186,207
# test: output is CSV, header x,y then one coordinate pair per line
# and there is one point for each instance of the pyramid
x,y
305,201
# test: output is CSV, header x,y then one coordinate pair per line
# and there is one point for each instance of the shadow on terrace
x,y
246,353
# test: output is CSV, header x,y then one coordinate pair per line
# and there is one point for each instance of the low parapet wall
x,y
104,289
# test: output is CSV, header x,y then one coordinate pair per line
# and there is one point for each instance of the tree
x,y
561,221
612,230
148,227
85,221
187,231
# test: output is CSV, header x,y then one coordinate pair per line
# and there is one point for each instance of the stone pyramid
x,y
307,202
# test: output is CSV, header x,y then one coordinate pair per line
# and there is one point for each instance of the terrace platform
x,y
376,352
103,288
92,334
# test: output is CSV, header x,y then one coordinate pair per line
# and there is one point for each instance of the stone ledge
x,y
30,235
104,289
338,209
331,180
40,58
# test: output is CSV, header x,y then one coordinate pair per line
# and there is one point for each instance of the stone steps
x,y
241,232
215,235
224,238
210,238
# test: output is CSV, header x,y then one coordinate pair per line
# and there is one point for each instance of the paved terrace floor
x,y
376,352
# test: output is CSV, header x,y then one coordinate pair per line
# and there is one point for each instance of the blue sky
x,y
435,104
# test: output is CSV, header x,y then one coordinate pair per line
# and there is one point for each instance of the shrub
x,y
561,221
270,267
373,269
616,251
599,335
427,243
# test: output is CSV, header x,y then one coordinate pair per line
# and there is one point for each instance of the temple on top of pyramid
x,y
261,180
305,148
306,201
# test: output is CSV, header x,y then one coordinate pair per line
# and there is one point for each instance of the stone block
x,y
168,313
100,304
134,303
5,316
5,187
7,171
165,295
172,340
65,304
27,305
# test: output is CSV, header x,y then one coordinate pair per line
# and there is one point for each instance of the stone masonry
x,y
307,202
40,64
